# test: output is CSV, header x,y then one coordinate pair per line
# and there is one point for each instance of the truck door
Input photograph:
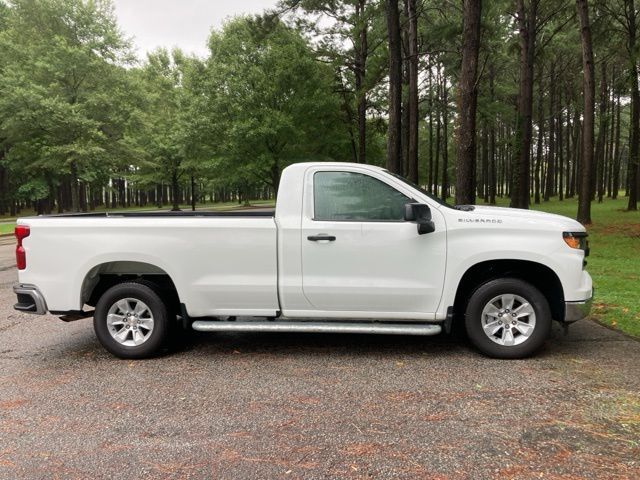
x,y
358,252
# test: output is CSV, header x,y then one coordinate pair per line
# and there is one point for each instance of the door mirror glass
x,y
421,214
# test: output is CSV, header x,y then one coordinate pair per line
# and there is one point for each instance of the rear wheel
x,y
508,318
131,320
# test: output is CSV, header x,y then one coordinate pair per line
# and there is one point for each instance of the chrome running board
x,y
317,327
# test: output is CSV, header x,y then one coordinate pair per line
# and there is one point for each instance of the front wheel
x,y
131,320
508,318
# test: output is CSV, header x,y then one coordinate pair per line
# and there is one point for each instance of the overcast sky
x,y
181,23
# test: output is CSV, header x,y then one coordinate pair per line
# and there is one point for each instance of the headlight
x,y
577,240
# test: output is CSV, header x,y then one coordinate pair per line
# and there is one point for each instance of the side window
x,y
355,197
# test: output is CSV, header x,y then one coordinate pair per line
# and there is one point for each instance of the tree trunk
x,y
577,147
404,124
445,141
467,103
394,134
608,180
275,175
93,197
527,29
568,135
122,192
361,53
193,193
584,201
82,196
175,191
632,167
348,113
431,107
412,149
436,173
615,182
597,181
75,192
539,149
60,208
560,147
484,155
4,186
492,143
551,158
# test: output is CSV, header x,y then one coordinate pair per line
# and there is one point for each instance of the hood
x,y
529,216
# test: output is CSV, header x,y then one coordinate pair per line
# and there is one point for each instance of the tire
x,y
525,308
131,320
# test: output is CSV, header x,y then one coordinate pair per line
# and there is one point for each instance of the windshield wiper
x,y
465,208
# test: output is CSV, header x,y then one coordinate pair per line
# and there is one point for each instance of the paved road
x,y
329,406
7,254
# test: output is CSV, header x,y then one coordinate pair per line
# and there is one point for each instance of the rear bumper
x,y
574,311
30,300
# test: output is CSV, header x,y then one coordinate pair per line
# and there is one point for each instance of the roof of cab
x,y
305,165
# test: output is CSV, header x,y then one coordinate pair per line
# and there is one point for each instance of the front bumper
x,y
574,311
30,300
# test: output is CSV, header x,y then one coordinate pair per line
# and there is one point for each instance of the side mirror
x,y
421,214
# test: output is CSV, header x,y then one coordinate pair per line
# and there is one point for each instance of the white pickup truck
x,y
350,248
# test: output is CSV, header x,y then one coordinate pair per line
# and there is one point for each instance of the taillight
x,y
21,232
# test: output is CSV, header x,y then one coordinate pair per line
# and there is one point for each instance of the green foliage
x,y
78,115
267,100
349,36
75,110
63,92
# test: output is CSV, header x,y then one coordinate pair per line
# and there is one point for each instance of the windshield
x,y
420,189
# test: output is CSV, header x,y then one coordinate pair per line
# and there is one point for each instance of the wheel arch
x,y
105,275
540,276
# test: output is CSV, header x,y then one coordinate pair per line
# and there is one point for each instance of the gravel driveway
x,y
312,406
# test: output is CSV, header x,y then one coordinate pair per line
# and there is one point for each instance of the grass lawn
x,y
6,228
614,262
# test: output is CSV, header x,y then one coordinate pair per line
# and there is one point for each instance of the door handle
x,y
319,238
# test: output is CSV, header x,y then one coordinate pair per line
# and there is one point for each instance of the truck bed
x,y
218,261
151,214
